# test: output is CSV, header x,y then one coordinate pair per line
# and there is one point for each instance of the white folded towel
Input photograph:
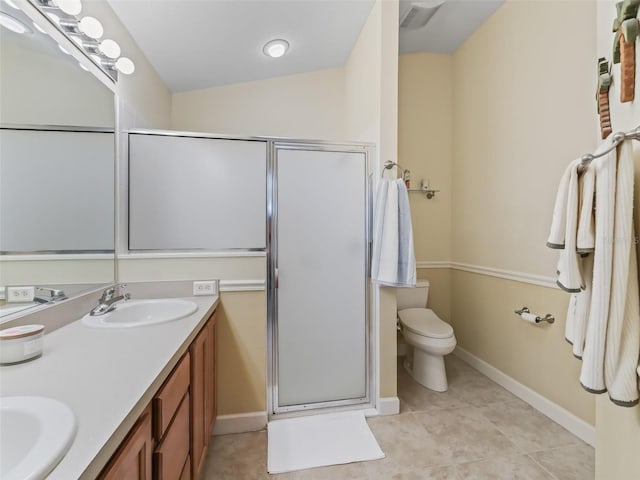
x,y
393,260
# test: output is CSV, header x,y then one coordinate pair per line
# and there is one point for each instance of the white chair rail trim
x,y
530,278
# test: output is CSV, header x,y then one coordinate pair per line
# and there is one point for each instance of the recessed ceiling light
x,y
91,27
13,24
83,67
275,48
64,50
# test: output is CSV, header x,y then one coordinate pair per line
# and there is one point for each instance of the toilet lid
x,y
425,322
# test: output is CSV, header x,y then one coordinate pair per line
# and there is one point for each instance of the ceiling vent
x,y
419,13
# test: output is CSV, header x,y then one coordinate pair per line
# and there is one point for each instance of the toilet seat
x,y
424,322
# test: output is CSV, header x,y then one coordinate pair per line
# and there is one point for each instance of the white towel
x,y
580,302
393,260
569,277
559,219
585,241
592,371
578,311
603,320
622,346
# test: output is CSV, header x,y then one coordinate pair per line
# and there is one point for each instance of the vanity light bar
x,y
86,33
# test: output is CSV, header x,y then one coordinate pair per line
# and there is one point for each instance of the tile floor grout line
x,y
542,467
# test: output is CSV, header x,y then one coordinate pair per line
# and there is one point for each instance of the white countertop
x,y
106,376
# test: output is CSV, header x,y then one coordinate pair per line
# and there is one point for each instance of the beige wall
x,y
371,79
618,429
308,105
523,107
425,99
242,350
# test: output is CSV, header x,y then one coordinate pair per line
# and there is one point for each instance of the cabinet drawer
x,y
168,399
171,455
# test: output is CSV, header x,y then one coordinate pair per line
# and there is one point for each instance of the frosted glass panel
x,y
321,299
196,193
56,191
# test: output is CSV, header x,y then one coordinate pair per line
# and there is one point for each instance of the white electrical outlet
x,y
20,294
205,287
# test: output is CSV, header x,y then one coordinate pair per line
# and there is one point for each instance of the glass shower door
x,y
319,278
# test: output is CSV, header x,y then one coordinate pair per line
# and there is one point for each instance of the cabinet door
x,y
198,433
210,377
203,395
132,461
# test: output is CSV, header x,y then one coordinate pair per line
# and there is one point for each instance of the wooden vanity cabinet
x,y
203,394
132,461
171,438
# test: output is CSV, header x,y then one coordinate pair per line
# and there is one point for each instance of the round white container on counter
x,y
18,344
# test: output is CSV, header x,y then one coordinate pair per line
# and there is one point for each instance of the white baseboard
x,y
555,412
388,406
240,423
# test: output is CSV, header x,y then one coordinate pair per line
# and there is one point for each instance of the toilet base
x,y
428,370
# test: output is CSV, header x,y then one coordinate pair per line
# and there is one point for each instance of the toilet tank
x,y
413,297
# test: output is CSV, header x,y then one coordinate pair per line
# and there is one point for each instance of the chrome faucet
x,y
52,295
108,301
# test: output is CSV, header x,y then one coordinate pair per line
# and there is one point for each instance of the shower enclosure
x,y
318,276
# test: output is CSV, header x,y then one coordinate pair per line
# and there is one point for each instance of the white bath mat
x,y
320,440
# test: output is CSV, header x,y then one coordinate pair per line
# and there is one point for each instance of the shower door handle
x,y
275,277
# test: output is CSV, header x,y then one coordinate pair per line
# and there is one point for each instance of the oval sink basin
x,y
140,313
36,434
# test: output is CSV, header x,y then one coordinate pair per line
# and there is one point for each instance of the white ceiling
x,y
196,44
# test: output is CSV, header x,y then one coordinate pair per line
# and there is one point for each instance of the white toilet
x,y
428,337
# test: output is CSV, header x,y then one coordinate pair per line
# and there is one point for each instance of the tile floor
x,y
474,431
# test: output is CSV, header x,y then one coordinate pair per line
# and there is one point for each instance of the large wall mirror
x,y
57,150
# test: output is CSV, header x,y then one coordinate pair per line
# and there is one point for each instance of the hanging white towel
x,y
592,371
623,327
393,260
603,320
580,302
559,219
578,311
569,277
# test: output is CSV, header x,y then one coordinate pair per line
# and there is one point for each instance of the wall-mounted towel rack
x,y
617,138
424,187
388,165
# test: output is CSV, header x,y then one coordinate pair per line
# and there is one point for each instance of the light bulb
x,y
70,7
276,48
125,65
110,48
91,27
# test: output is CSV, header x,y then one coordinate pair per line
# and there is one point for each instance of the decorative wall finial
x,y
626,27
